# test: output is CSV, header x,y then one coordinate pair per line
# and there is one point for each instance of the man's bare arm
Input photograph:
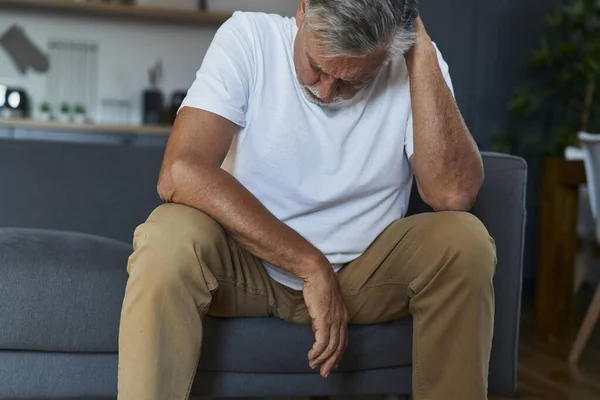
x,y
446,161
191,175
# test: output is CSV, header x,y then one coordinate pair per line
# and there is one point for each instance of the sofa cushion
x,y
268,345
62,292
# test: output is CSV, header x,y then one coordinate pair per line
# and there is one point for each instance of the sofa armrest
x,y
501,207
60,291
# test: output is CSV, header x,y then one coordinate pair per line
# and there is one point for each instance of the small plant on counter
x,y
80,114
65,113
46,111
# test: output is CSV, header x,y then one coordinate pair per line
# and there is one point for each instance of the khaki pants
x,y
438,267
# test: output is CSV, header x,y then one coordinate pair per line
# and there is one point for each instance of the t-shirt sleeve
x,y
409,146
224,81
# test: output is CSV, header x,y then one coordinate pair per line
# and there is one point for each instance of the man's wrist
x,y
422,55
316,266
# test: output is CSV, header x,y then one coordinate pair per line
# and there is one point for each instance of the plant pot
x,y
64,118
79,119
45,116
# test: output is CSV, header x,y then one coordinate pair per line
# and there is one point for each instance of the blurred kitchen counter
x,y
119,135
86,128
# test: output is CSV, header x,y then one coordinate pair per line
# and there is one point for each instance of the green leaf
x,y
546,112
525,102
555,20
542,55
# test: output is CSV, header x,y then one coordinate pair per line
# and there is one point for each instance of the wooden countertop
x,y
28,124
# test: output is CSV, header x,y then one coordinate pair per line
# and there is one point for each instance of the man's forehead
x,y
346,68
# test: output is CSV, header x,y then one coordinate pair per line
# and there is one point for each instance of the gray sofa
x,y
67,213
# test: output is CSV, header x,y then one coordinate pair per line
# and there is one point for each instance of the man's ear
x,y
301,13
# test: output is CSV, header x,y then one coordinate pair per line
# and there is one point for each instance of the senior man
x,y
332,113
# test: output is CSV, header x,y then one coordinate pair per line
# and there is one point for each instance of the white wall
x,y
127,49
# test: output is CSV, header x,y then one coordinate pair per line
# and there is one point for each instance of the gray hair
x,y
358,27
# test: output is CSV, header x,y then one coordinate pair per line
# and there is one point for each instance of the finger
x,y
322,338
335,359
344,338
334,340
321,342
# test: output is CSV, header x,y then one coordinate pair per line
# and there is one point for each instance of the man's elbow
x,y
463,198
165,187
460,201
181,181
171,176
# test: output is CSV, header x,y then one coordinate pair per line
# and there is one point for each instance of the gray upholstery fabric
x,y
62,292
501,207
274,346
91,188
72,286
372,382
35,376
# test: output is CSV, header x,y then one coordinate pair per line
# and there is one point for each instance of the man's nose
x,y
328,88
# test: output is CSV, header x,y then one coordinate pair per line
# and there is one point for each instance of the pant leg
x,y
439,267
183,266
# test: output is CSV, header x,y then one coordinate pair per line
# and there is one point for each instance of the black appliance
x,y
14,102
153,107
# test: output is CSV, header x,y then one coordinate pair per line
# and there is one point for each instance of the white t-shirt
x,y
338,177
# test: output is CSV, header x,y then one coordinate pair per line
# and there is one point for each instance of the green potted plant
x,y
65,113
80,114
563,97
45,111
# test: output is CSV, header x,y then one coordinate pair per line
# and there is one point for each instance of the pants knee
x,y
169,246
468,245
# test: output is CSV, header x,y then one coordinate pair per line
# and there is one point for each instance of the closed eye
x,y
315,68
357,83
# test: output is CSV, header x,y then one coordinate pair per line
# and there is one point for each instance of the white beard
x,y
337,101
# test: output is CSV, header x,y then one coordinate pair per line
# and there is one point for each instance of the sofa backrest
x,y
101,189
105,190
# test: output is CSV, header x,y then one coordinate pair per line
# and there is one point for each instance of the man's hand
x,y
323,298
420,30
423,41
